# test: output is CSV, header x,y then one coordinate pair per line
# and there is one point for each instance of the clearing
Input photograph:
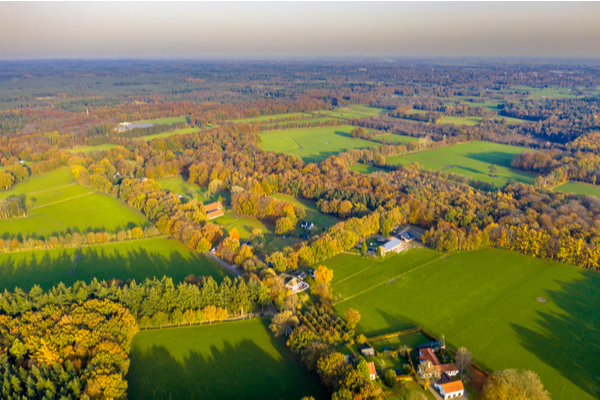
x,y
312,212
366,169
164,121
168,134
88,149
313,145
230,360
59,203
487,301
136,259
470,159
579,188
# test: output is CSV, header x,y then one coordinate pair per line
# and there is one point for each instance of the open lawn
x,y
230,360
579,188
470,159
163,121
87,149
471,121
489,301
167,134
57,203
555,91
137,259
244,225
313,145
352,111
274,117
312,212
366,169
391,138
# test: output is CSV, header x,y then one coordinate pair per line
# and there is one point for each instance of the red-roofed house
x,y
214,210
372,371
426,354
449,388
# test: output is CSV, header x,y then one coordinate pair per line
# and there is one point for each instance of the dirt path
x,y
62,201
230,268
54,188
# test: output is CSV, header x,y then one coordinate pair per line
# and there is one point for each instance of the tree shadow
x,y
238,370
570,342
492,157
49,268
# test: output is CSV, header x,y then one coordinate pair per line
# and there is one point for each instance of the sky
x,y
277,30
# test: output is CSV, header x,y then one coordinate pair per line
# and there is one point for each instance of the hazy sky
x,y
313,29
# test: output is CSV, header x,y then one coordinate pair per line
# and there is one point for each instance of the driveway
x,y
230,268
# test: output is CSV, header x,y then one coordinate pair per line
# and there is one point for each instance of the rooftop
x,y
454,386
372,370
392,244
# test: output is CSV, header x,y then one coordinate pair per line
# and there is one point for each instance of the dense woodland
x,y
51,109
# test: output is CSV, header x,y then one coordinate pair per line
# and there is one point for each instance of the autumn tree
x,y
510,384
352,317
282,321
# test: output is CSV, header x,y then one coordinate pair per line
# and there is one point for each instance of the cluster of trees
x,y
77,349
264,126
283,213
314,342
12,174
74,239
12,207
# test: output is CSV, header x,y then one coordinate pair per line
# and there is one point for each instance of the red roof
x,y
452,387
213,206
372,370
446,367
214,214
429,355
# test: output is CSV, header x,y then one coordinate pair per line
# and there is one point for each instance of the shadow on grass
x,y
33,235
49,268
570,343
240,370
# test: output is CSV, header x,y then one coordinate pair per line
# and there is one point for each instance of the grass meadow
x,y
391,138
274,117
312,212
231,360
579,188
366,169
60,204
163,121
488,301
168,134
88,149
470,159
137,259
313,145
352,111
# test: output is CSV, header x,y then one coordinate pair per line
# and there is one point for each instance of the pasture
x,y
230,360
88,149
274,117
509,310
470,159
472,121
312,212
164,121
579,188
168,134
391,138
366,169
59,204
352,111
552,91
178,185
313,145
137,259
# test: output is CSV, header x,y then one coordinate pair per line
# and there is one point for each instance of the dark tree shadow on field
x,y
49,268
238,371
571,342
492,157
393,323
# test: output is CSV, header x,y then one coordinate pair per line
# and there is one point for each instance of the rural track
x,y
61,201
53,188
222,263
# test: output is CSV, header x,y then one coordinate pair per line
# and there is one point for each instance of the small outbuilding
x,y
394,245
367,351
372,371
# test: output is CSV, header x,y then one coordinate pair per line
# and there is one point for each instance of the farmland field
x,y
470,159
138,259
163,121
274,117
313,145
231,360
366,169
509,310
87,149
59,204
178,185
167,134
579,188
352,111
392,138
312,213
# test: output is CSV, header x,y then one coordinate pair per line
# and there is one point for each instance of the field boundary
x,y
53,188
392,278
62,201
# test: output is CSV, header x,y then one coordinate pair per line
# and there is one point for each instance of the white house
x,y
450,389
372,371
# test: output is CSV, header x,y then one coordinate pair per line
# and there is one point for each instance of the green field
x,y
555,91
353,111
312,213
167,134
391,138
472,121
178,185
88,149
579,188
366,169
244,225
231,360
163,121
274,117
470,159
138,259
313,145
60,204
487,301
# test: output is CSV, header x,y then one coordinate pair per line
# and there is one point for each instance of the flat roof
x,y
392,244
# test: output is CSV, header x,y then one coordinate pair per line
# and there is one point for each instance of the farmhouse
x,y
295,284
394,245
407,237
427,355
372,371
214,210
449,388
